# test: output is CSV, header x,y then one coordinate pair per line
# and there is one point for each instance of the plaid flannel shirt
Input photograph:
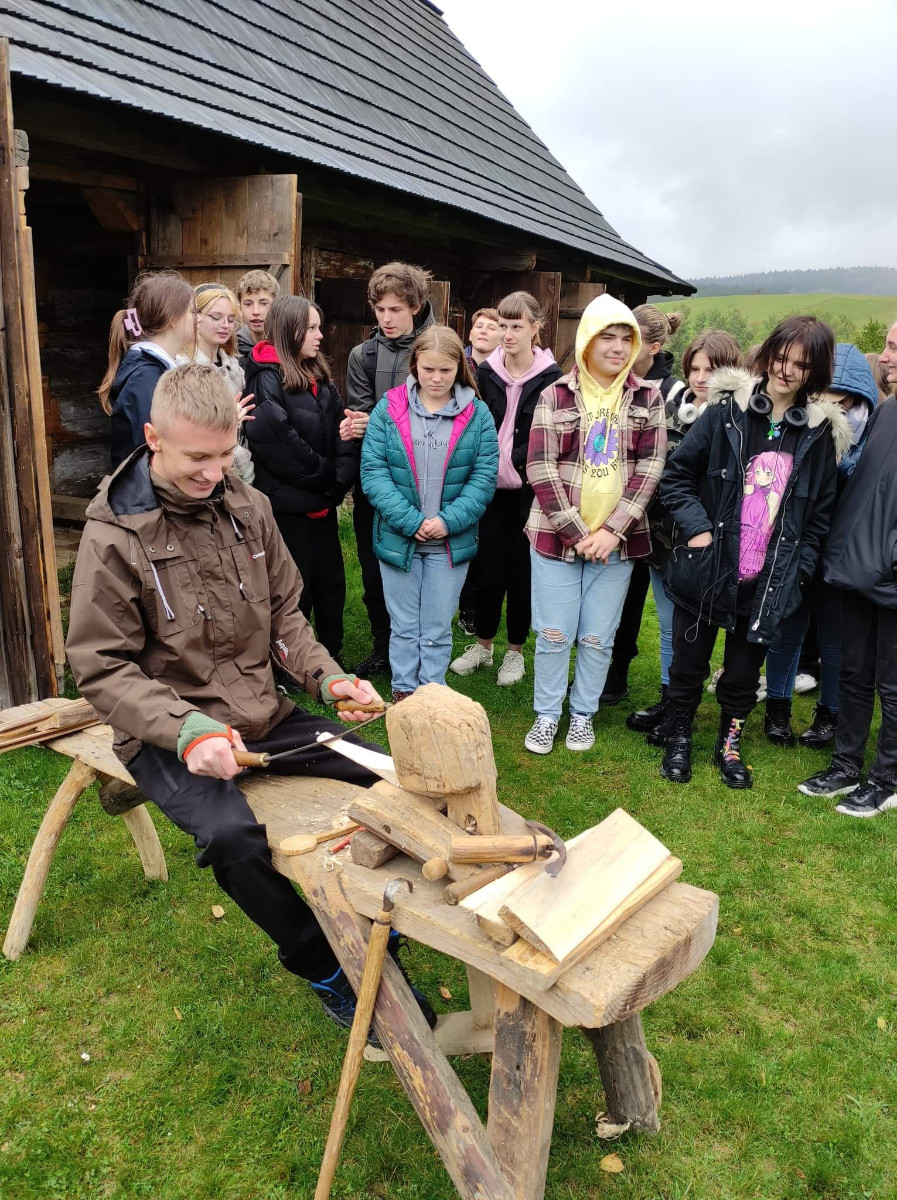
x,y
554,467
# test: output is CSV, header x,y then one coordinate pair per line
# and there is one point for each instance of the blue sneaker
x,y
338,1001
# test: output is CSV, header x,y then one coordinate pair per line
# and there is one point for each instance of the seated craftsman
x,y
183,591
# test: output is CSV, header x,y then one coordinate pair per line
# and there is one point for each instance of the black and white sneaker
x,y
540,739
868,800
833,781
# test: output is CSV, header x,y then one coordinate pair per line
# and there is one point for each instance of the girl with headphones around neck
x,y
751,490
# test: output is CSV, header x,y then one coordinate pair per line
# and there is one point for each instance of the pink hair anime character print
x,y
765,480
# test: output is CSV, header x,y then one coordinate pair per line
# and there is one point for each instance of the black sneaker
x,y
338,1001
395,944
376,663
833,781
868,800
467,621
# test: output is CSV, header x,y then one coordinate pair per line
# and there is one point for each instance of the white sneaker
x,y
761,689
474,657
805,683
580,735
540,738
512,668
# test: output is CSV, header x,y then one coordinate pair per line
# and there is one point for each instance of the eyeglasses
x,y
220,319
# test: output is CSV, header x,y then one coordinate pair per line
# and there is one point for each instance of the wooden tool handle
x,y
364,1009
462,888
516,848
245,758
376,706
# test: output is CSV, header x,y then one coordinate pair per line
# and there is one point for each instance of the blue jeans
x,y
421,605
577,602
664,606
784,654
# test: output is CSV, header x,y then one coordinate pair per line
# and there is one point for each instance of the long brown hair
x,y
721,348
285,328
157,301
816,342
443,340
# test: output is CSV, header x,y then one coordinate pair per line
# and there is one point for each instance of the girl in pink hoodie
x,y
510,381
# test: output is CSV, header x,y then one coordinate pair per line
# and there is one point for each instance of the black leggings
x,y
315,546
232,842
502,568
693,643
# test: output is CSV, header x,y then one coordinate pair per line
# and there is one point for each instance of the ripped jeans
x,y
579,602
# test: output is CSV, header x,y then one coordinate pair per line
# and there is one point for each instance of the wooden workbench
x,y
511,1015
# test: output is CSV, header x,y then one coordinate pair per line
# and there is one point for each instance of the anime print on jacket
x,y
765,480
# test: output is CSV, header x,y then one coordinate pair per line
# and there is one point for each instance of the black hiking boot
x,y
777,722
646,719
822,732
616,687
376,663
727,753
676,765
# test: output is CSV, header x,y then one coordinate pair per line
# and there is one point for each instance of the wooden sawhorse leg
x,y
138,821
629,1073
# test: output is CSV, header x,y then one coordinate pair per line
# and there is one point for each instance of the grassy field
x,y
212,1072
758,308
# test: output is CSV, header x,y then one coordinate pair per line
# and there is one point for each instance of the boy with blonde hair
x,y
256,292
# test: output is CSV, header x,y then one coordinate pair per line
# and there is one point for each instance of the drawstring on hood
x,y
431,435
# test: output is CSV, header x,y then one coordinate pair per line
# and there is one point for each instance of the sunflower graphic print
x,y
602,475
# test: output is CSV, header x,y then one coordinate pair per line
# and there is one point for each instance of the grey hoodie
x,y
393,356
430,437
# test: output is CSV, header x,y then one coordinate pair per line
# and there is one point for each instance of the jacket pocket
x,y
252,570
566,428
691,573
171,595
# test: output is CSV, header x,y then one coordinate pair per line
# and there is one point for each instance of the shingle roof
x,y
381,90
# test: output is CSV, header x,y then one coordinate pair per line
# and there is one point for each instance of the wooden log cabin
x,y
316,141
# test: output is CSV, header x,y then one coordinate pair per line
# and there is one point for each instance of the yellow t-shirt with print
x,y
602,468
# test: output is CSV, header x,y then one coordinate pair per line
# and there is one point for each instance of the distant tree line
x,y
868,337
851,281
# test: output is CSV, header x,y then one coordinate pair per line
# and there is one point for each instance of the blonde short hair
x,y
198,393
258,281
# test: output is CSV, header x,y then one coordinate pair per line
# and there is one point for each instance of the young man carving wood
x,y
183,591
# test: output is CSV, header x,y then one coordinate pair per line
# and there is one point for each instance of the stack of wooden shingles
x,y
549,923
42,721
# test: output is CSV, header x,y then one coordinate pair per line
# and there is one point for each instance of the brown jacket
x,y
178,604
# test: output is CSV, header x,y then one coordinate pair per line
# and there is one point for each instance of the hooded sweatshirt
x,y
853,377
132,396
430,437
508,475
371,373
602,470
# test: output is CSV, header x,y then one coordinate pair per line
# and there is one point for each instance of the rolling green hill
x,y
759,308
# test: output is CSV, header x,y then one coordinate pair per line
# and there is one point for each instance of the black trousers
x,y
232,842
693,643
626,640
315,547
371,579
502,568
868,664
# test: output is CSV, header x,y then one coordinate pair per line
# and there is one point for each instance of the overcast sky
x,y
716,137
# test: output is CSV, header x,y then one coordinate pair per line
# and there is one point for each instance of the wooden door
x,y
575,298
217,229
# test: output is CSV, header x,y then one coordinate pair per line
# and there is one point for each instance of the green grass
x,y
778,1055
759,308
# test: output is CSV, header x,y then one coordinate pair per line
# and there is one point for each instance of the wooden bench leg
x,y
629,1073
80,776
481,988
443,1106
523,1091
143,831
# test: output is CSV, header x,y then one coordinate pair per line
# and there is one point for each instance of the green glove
x,y
327,695
198,725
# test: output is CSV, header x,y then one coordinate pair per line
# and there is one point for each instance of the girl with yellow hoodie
x,y
596,452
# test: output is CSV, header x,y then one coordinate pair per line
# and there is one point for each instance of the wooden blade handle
x,y
375,706
245,758
454,893
516,848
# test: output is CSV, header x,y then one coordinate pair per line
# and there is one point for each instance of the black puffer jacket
x,y
702,485
861,555
300,462
495,397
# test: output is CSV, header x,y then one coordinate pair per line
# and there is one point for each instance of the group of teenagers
x,y
483,479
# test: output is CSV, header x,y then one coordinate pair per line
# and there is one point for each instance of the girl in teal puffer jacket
x,y
429,463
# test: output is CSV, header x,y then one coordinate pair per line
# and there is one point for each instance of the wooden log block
x,y
46,724
368,850
441,1103
80,776
630,1075
481,989
143,831
523,1091
442,746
